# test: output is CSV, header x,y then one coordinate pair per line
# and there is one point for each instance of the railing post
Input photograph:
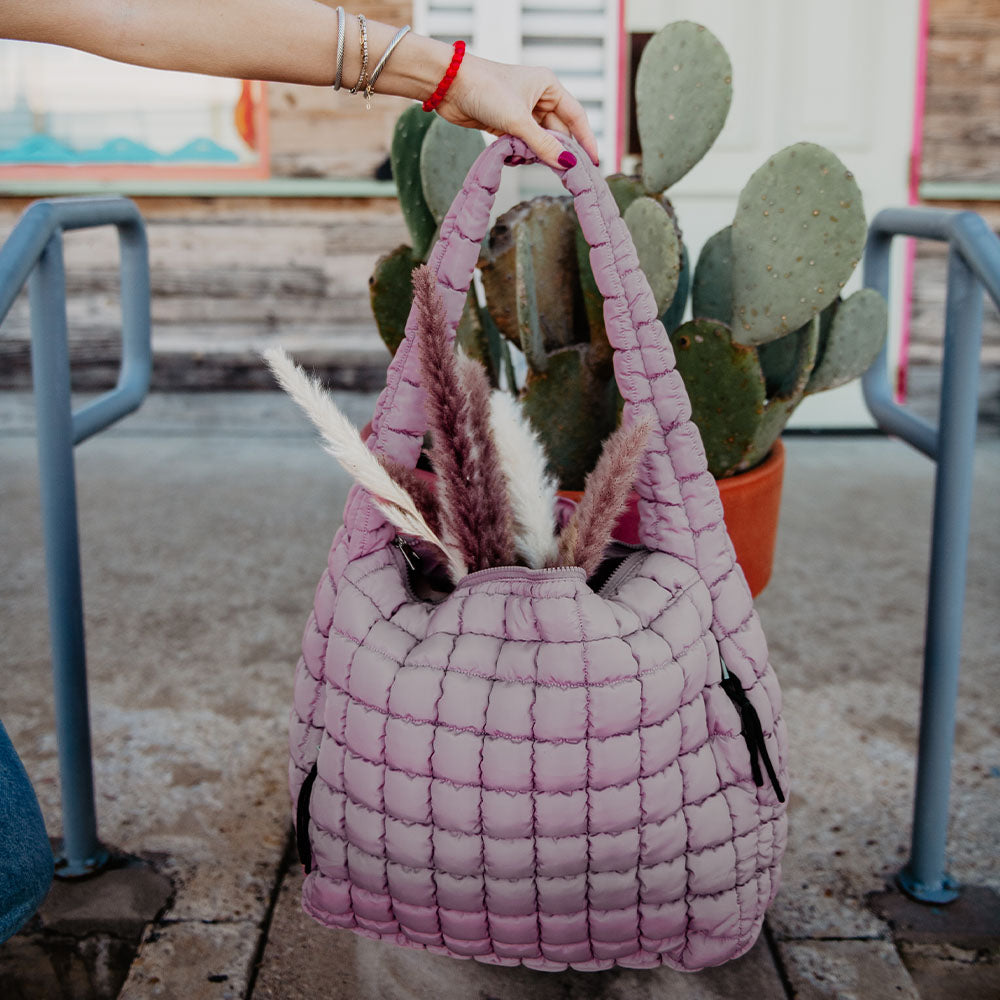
x,y
924,876
32,254
973,263
81,852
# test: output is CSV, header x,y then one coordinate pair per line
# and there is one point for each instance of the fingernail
x,y
567,159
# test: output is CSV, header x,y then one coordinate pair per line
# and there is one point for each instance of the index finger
x,y
570,110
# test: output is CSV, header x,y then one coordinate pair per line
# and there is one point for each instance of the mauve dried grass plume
x,y
490,487
585,537
465,507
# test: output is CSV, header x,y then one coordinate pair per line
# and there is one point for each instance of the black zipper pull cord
x,y
752,732
302,820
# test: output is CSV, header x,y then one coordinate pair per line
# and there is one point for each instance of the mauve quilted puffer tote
x,y
530,771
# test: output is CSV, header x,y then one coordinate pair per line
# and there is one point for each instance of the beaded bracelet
x,y
363,25
446,81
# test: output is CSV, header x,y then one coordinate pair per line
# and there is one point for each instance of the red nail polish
x,y
567,159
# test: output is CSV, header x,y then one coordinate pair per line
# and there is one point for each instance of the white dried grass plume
x,y
342,440
530,486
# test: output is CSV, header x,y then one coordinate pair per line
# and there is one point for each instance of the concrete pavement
x,y
205,521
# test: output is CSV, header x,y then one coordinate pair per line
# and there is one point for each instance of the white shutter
x,y
577,39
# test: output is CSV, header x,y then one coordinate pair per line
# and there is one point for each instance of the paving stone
x,y
83,938
971,922
846,970
309,962
119,902
45,966
193,961
944,972
205,523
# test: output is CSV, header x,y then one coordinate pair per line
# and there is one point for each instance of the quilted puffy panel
x,y
563,784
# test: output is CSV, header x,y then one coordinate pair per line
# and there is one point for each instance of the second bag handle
x,y
680,512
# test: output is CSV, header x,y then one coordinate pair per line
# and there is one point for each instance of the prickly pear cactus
x,y
658,247
573,409
769,327
712,288
785,386
404,155
726,386
393,272
531,253
850,341
430,159
446,156
683,89
797,237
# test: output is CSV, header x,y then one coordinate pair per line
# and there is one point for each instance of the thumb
x,y
546,145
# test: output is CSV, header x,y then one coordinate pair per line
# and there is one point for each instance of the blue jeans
x,y
25,855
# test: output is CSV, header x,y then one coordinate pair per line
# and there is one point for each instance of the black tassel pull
x,y
302,820
752,732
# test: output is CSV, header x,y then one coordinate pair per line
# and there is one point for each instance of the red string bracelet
x,y
449,75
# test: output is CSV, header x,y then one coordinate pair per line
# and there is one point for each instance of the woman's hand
x,y
521,100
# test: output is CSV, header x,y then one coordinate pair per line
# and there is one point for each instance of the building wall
x,y
233,274
961,139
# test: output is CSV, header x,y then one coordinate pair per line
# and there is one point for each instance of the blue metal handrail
x,y
33,253
973,264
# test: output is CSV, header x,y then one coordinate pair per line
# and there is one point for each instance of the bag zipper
x,y
626,569
752,732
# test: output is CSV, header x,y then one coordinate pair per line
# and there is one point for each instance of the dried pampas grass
x,y
342,441
586,535
530,487
470,485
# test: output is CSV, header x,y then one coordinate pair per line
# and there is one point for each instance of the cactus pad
x,y
542,230
797,236
573,411
391,291
781,361
404,154
674,313
726,387
712,288
625,189
655,237
683,90
781,405
851,341
446,156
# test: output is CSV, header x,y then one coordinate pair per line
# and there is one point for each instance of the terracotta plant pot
x,y
751,502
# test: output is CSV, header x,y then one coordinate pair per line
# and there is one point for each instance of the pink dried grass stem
x,y
466,508
588,532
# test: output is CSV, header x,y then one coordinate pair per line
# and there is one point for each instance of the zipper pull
x,y
752,732
408,554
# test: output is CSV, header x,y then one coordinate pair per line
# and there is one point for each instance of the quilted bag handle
x,y
680,511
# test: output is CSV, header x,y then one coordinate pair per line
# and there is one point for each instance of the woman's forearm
x,y
292,41
295,41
